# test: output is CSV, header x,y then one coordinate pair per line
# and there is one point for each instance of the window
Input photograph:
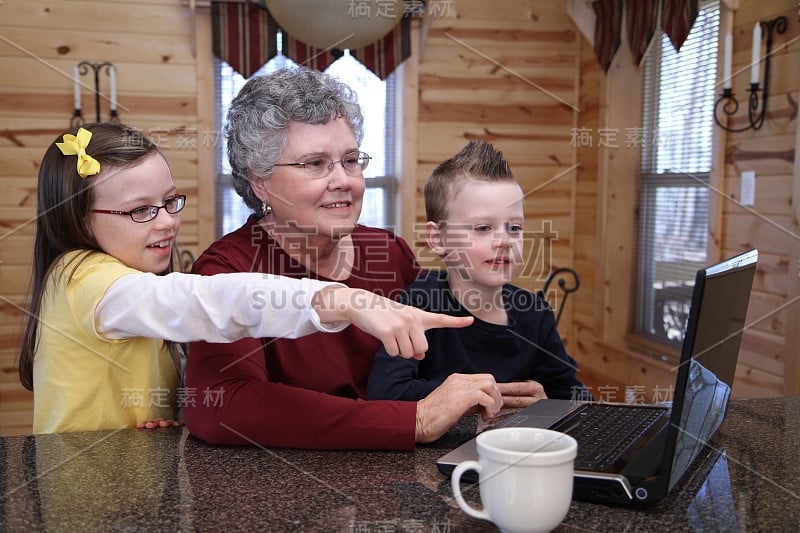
x,y
378,104
679,92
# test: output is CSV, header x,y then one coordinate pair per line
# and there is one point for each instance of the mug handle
x,y
455,480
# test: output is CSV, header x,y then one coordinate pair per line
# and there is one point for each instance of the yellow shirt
x,y
82,381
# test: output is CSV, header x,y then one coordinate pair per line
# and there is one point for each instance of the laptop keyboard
x,y
604,432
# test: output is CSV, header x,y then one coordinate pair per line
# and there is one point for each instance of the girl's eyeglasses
x,y
146,213
319,167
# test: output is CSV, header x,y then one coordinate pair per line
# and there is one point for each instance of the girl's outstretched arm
x,y
222,308
229,307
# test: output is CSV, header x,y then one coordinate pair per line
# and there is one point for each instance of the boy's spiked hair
x,y
477,161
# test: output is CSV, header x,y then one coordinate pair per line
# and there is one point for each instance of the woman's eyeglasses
x,y
146,213
319,167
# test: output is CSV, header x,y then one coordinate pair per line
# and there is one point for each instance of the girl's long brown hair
x,y
64,201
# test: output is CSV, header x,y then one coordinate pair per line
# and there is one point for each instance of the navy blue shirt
x,y
529,347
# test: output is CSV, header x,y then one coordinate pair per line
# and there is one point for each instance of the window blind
x,y
679,93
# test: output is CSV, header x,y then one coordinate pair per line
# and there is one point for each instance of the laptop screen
x,y
710,351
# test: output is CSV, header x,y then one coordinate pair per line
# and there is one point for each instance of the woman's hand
x,y
399,327
158,423
521,393
459,395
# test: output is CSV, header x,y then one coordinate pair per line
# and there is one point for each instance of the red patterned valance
x,y
244,35
641,19
677,18
607,29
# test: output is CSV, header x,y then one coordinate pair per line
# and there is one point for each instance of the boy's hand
x,y
521,393
157,423
399,327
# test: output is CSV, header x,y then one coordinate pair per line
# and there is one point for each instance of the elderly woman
x,y
293,143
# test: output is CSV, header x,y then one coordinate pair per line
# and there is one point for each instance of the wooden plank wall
x,y
587,302
462,67
151,42
768,361
774,310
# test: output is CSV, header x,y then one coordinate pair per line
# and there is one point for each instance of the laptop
x,y
643,450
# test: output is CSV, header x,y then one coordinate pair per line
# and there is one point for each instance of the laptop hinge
x,y
603,488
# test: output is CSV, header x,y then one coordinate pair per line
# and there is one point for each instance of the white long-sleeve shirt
x,y
221,308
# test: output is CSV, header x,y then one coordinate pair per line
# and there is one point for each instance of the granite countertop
x,y
166,480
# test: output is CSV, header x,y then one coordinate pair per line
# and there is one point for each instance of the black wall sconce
x,y
727,101
82,69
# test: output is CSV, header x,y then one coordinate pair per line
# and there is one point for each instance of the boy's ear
x,y
433,234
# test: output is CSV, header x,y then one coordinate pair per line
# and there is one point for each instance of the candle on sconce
x,y
77,87
756,54
112,74
727,65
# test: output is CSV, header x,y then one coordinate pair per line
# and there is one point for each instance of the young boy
x,y
475,215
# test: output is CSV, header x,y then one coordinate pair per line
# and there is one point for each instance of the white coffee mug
x,y
525,478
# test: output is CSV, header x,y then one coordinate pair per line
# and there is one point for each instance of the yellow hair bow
x,y
76,145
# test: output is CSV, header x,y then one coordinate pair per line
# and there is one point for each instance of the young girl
x,y
105,294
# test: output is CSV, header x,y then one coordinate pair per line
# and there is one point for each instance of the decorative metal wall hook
x,y
83,68
728,102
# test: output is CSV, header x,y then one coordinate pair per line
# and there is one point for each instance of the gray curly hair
x,y
260,114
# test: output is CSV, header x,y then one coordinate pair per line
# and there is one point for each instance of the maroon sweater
x,y
306,392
